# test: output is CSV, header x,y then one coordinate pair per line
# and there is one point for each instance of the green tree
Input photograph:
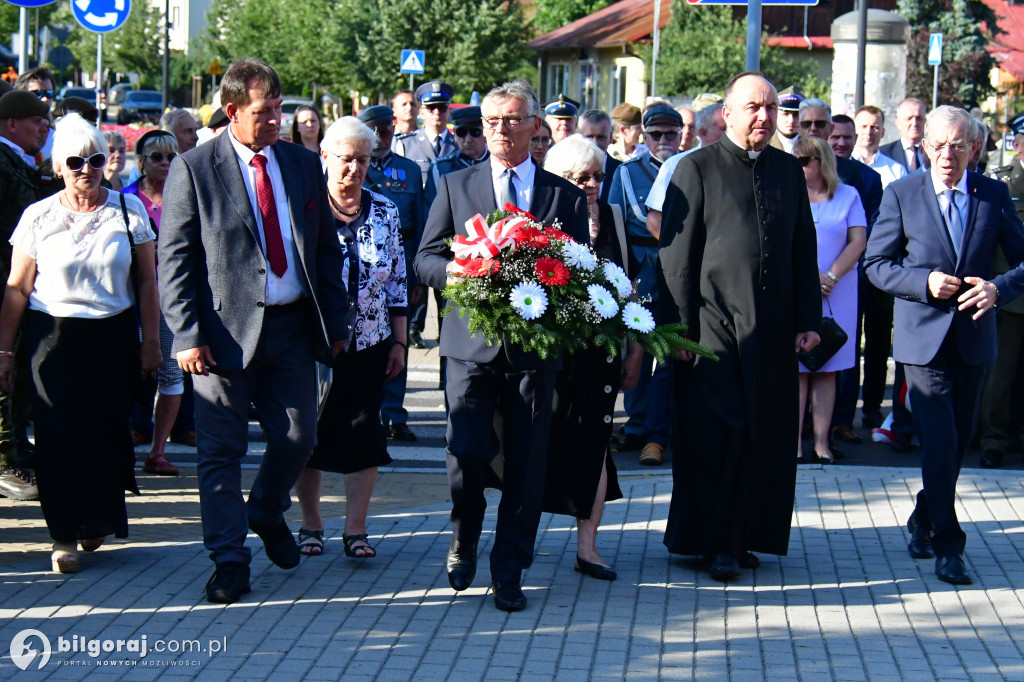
x,y
702,47
552,14
357,43
966,26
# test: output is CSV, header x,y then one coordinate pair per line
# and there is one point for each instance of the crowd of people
x,y
757,218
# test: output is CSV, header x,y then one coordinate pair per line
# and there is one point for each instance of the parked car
x,y
288,107
115,96
144,106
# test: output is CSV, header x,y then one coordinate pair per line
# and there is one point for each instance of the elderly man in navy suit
x,y
932,248
485,381
250,285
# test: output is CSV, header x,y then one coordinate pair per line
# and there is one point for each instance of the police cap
x,y
434,92
563,107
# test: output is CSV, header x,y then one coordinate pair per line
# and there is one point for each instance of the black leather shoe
x,y
903,442
629,442
991,459
278,542
228,583
594,570
920,545
749,560
725,568
416,339
847,434
871,419
402,432
461,564
951,569
508,596
18,484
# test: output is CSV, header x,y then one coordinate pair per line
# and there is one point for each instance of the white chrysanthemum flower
x,y
638,318
529,300
580,256
603,301
617,276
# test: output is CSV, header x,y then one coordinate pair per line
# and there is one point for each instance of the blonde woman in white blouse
x,y
72,297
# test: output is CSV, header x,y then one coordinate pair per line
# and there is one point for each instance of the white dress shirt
x,y
889,169
287,288
523,181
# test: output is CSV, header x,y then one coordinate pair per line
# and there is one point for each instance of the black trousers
x,y
497,408
946,396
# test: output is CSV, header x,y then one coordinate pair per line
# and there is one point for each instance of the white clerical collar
x,y
750,154
939,186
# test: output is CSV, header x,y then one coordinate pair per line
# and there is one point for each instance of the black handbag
x,y
832,339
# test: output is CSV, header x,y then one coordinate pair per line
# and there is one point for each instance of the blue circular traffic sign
x,y
101,16
31,3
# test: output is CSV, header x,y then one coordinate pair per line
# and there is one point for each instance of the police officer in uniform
x,y
561,116
996,419
406,118
398,179
649,405
433,141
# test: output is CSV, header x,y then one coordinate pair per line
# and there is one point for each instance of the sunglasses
x,y
76,163
820,125
42,94
656,135
158,157
584,179
806,160
462,131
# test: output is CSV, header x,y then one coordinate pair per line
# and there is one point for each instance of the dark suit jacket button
x,y
259,304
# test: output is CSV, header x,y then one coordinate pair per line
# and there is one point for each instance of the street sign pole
x,y
23,40
754,35
935,88
935,59
99,73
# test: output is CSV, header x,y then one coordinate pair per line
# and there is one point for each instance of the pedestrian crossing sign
x,y
412,61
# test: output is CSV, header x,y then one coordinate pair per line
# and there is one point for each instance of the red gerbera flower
x,y
512,208
530,236
557,234
480,267
552,271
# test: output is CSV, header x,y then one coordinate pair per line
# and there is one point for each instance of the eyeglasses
x,y
656,135
462,131
158,157
955,147
585,178
76,163
360,160
806,160
43,94
541,141
510,121
820,125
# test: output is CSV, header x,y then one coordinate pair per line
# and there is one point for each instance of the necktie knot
x,y
259,161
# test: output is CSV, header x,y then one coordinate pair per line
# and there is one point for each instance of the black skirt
x,y
349,435
584,404
83,374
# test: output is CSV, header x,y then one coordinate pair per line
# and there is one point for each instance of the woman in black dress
x,y
581,474
350,437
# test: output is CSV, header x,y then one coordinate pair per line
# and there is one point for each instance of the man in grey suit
x,y
485,381
250,285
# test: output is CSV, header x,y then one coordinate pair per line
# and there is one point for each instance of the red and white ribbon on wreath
x,y
484,241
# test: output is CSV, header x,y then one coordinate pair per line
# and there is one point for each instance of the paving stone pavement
x,y
847,603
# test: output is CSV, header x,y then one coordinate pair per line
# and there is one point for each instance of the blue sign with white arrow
x,y
101,16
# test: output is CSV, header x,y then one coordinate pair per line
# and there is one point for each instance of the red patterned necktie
x,y
268,211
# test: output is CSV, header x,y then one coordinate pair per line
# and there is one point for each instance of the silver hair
x,y
517,89
348,129
595,117
815,103
114,138
74,136
706,115
573,155
170,120
980,130
947,116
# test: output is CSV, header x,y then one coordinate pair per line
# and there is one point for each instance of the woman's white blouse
x,y
83,260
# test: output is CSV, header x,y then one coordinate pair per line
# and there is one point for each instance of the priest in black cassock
x,y
738,266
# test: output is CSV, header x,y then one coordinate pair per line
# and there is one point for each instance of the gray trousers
x,y
281,382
